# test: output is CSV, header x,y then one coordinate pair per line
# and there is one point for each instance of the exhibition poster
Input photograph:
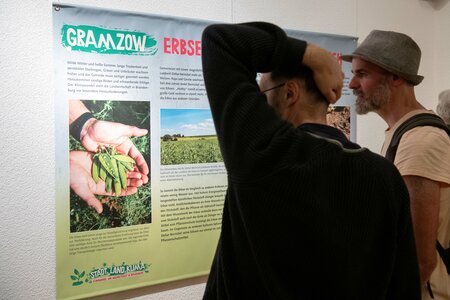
x,y
140,192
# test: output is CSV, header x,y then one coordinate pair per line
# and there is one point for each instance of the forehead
x,y
263,76
264,80
359,64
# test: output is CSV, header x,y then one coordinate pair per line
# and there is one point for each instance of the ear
x,y
397,80
292,92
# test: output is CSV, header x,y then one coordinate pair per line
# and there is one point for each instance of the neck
x,y
309,114
402,101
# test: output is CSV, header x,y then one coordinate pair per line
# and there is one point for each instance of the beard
x,y
380,96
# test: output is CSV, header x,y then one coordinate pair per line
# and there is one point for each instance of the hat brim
x,y
413,79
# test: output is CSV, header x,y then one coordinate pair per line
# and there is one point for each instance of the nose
x,y
353,84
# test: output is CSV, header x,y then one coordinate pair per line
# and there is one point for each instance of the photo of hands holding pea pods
x,y
109,159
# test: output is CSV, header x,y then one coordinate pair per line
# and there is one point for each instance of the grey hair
x,y
443,107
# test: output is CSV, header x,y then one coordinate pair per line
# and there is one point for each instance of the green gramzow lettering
x,y
106,41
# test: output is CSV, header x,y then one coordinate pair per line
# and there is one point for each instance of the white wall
x,y
441,57
27,202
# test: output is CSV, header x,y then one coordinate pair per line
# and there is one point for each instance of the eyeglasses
x,y
274,87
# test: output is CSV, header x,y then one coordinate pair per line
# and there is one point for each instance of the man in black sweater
x,y
308,214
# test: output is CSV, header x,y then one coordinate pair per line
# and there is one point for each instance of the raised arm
x,y
232,55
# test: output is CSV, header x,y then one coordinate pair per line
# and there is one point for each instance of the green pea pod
x,y
122,175
108,183
103,173
115,168
127,165
117,187
95,170
95,156
107,164
124,158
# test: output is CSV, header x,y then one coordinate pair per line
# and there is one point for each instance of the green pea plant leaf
x,y
77,277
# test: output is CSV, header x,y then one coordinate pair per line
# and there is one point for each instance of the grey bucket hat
x,y
393,51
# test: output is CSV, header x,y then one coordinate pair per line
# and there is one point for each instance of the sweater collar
x,y
328,132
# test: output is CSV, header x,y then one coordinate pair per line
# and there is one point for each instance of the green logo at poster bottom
x,y
106,273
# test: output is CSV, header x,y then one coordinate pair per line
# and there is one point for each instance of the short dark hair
x,y
303,73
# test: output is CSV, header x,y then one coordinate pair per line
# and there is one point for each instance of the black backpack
x,y
424,119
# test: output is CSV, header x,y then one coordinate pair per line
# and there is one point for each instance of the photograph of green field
x,y
188,137
118,210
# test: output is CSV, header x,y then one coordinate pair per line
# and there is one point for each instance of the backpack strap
x,y
445,255
423,119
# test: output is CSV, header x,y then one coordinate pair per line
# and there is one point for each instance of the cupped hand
x,y
107,133
84,186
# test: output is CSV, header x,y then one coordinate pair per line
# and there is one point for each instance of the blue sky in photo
x,y
187,122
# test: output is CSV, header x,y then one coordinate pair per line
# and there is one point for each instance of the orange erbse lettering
x,y
182,47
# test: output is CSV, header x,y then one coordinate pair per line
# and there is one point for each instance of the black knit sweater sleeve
x,y
232,55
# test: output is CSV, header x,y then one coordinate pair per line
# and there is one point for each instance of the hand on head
x,y
327,71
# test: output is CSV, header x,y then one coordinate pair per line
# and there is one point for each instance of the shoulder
x,y
426,138
425,152
377,164
384,174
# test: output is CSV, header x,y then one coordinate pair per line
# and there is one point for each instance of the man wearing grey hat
x,y
385,72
